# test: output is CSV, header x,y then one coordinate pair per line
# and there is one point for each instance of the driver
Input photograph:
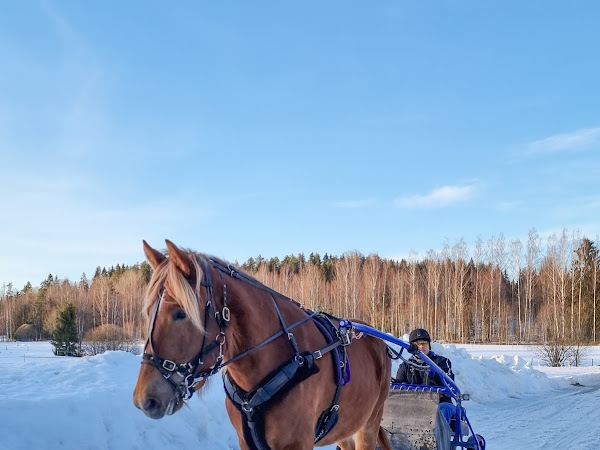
x,y
416,371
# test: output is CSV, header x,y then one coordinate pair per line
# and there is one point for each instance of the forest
x,y
498,292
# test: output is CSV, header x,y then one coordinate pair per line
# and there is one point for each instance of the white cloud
x,y
443,196
564,142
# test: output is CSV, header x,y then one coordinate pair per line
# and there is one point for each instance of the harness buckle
x,y
169,365
317,354
345,336
226,314
246,407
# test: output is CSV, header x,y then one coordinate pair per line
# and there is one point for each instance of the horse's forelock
x,y
154,285
179,288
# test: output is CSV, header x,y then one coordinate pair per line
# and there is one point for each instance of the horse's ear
x,y
180,258
155,258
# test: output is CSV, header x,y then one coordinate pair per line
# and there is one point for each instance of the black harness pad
x,y
253,404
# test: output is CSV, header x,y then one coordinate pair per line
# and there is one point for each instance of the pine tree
x,y
64,339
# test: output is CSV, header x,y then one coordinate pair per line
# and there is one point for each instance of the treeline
x,y
502,291
113,296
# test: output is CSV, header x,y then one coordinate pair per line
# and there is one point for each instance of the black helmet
x,y
420,334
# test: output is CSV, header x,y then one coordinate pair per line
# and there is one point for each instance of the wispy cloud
x,y
575,140
443,196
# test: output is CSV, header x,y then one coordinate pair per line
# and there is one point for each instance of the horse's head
x,y
177,335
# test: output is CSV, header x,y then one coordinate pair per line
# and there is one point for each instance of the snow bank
x,y
490,379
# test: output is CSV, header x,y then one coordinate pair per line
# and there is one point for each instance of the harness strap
x,y
290,335
341,369
253,404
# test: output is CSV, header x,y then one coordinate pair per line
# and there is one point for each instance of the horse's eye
x,y
178,314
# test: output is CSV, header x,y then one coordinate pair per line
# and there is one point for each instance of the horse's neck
x,y
253,320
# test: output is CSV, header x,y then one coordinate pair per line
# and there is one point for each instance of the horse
x,y
293,379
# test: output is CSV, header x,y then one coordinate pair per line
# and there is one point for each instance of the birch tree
x,y
516,248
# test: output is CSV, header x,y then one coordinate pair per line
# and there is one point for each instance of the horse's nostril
x,y
151,405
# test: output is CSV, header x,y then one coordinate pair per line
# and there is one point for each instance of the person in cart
x,y
416,371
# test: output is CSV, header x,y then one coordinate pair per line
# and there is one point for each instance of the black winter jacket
x,y
424,374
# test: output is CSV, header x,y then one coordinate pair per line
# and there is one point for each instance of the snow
x,y
50,402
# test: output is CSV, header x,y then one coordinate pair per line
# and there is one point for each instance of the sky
x,y
51,402
274,128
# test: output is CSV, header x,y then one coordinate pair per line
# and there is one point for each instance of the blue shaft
x,y
448,382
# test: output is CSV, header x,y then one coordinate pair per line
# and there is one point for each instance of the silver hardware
x,y
345,336
169,365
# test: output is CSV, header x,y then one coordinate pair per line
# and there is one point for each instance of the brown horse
x,y
281,368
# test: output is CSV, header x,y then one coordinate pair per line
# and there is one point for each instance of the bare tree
x,y
372,268
551,268
478,255
412,268
491,253
313,277
130,289
351,264
385,310
554,353
596,261
533,250
499,260
516,248
433,267
459,257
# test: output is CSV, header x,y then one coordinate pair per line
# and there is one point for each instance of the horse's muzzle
x,y
155,396
156,409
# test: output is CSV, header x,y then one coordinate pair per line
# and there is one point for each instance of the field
x,y
52,402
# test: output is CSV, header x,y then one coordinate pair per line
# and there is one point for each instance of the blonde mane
x,y
167,275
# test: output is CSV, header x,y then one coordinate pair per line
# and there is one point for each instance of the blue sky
x,y
246,128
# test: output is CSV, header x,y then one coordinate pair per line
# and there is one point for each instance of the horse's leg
x,y
243,445
383,440
366,438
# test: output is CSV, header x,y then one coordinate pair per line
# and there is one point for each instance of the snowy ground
x,y
49,402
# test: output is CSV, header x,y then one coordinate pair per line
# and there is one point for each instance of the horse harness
x,y
253,404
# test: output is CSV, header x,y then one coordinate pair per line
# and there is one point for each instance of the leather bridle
x,y
190,371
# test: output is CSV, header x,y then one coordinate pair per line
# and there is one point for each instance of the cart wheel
x,y
480,441
476,442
